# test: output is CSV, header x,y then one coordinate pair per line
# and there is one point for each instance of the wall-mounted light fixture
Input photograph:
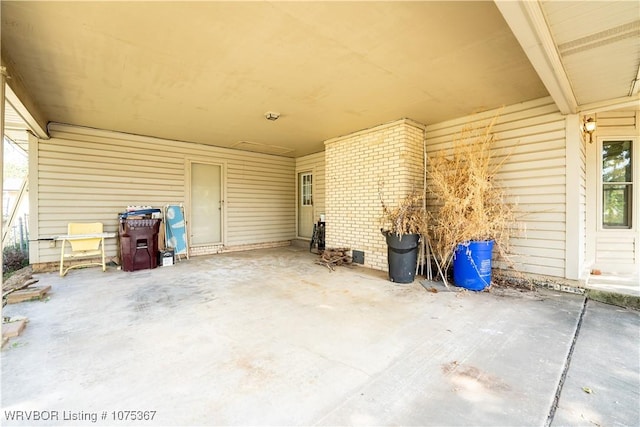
x,y
273,116
589,126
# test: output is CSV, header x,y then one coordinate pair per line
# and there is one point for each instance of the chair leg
x,y
104,265
62,259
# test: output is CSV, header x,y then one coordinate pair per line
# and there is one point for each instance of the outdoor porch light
x,y
589,126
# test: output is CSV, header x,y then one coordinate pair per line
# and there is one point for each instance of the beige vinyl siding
x,y
616,249
91,175
532,136
616,120
316,164
260,199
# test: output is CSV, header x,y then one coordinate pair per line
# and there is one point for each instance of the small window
x,y
617,184
306,193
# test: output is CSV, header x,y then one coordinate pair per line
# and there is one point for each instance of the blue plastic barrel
x,y
472,265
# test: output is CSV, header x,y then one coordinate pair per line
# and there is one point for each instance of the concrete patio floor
x,y
268,337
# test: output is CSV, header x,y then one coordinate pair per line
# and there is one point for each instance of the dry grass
x,y
409,217
470,202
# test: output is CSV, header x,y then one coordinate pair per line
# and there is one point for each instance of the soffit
x,y
15,127
599,45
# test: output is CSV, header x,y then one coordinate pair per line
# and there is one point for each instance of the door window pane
x,y
616,161
306,193
617,206
617,184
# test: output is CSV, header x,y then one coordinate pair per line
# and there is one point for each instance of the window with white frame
x,y
617,184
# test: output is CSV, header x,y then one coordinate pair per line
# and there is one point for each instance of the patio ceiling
x,y
207,72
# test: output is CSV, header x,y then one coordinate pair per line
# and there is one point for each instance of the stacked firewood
x,y
331,257
20,280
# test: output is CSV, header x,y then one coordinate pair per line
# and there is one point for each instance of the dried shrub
x,y
409,217
469,202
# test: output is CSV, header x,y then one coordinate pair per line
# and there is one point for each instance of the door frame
x,y
223,192
595,229
299,172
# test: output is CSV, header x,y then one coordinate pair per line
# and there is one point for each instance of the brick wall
x,y
388,157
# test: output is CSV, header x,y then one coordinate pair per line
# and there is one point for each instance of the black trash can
x,y
402,255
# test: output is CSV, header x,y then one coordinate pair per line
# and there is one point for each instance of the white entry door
x,y
206,204
305,204
617,234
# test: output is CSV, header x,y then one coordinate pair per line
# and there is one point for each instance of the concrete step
x,y
622,290
614,297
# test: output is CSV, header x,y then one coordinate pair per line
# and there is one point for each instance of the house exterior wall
x,y
386,158
533,136
84,175
536,175
90,175
316,164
